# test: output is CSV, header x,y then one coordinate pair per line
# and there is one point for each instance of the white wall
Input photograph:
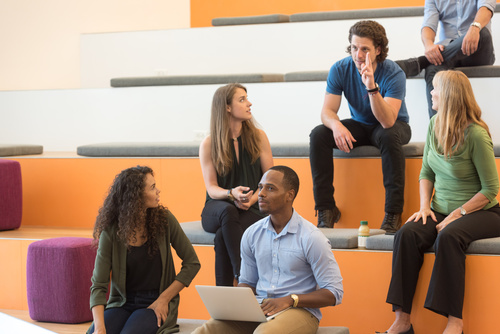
x,y
61,120
40,39
269,48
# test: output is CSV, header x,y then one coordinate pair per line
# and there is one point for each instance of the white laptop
x,y
232,303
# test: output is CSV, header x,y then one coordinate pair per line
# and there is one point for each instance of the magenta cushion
x,y
11,195
58,273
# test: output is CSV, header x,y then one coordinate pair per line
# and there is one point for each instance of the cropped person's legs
x,y
114,320
446,289
454,57
390,141
142,321
410,243
213,326
292,321
232,222
321,147
223,268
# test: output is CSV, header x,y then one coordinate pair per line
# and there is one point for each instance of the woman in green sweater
x,y
459,166
135,233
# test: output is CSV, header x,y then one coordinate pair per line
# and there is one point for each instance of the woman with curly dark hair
x,y
134,232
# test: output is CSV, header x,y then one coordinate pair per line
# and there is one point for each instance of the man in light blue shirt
x,y
287,262
464,38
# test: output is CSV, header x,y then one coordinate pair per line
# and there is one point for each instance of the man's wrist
x,y
295,300
476,24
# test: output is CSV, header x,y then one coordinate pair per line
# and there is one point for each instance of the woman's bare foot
x,y
401,324
454,326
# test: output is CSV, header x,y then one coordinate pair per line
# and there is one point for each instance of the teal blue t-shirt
x,y
344,78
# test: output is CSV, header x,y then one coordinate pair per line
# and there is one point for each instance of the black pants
x,y
228,223
445,295
453,57
389,141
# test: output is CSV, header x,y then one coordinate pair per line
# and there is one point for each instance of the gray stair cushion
x,y
345,238
306,76
190,149
340,238
260,19
19,149
487,71
196,234
415,149
358,14
290,150
483,246
196,79
152,149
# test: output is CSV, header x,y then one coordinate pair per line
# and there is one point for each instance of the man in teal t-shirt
x,y
375,89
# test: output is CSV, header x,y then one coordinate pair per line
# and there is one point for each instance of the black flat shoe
x,y
410,331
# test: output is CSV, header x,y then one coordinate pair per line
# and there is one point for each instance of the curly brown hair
x,y
374,31
124,208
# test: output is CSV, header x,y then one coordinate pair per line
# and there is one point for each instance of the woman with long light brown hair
x,y
459,167
233,159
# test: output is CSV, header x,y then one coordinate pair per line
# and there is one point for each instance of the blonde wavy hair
x,y
457,109
221,141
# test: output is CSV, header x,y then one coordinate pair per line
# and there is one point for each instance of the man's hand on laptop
x,y
274,305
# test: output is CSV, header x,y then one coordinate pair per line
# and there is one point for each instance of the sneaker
x,y
326,218
391,223
410,66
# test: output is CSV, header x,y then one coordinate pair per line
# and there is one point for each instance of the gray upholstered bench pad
x,y
196,79
152,149
487,71
340,238
483,246
260,19
345,238
14,149
411,150
358,14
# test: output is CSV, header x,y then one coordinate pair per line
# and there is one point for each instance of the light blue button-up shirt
x,y
297,260
453,16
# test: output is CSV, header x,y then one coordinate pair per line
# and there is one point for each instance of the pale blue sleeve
x,y
431,15
318,252
248,271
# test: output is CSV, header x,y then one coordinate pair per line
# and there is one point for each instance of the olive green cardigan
x,y
112,257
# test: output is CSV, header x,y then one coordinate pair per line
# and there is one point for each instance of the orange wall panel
x,y
203,11
68,192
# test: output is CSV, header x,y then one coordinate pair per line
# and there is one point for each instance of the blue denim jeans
x,y
133,317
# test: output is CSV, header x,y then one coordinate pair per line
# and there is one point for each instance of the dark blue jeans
x,y
389,141
133,317
453,57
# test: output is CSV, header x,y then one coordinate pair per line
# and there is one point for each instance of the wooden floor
x,y
56,328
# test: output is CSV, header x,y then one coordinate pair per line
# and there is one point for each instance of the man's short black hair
x,y
290,178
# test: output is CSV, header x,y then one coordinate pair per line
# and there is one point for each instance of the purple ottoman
x,y
58,273
11,195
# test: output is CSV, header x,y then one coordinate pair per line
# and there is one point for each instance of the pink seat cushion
x,y
11,195
59,273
